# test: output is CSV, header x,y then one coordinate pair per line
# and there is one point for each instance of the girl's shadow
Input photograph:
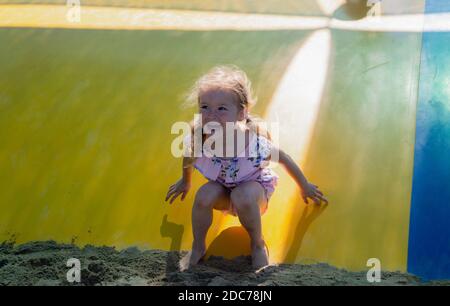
x,y
175,232
310,213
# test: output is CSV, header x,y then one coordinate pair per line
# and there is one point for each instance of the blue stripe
x,y
429,236
437,6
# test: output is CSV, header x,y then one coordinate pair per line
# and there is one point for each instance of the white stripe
x,y
54,16
296,101
150,19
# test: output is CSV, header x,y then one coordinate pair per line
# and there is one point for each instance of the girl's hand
x,y
312,191
181,187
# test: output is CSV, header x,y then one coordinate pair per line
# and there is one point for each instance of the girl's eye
x,y
222,108
203,107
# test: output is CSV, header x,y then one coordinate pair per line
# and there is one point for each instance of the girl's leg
x,y
210,195
249,200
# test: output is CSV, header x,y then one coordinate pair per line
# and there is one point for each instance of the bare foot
x,y
268,268
260,257
191,259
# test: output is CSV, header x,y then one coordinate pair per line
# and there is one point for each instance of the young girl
x,y
241,184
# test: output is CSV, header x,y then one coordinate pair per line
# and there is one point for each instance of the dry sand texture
x,y
44,263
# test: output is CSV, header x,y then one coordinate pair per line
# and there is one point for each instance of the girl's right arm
x,y
187,168
184,184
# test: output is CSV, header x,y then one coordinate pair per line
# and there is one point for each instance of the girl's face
x,y
221,106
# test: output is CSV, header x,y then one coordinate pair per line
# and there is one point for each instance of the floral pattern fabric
x,y
230,172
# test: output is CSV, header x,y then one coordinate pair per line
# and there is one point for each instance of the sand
x,y
44,263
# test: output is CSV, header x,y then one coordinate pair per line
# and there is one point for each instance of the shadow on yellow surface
x,y
175,232
230,243
306,218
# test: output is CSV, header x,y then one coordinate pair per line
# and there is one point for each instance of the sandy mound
x,y
44,263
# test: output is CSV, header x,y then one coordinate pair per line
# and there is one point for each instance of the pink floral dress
x,y
230,172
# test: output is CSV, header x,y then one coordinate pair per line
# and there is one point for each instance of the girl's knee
x,y
240,200
246,197
207,195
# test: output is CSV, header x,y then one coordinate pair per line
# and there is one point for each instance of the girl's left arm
x,y
308,189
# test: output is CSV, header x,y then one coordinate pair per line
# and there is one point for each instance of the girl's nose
x,y
213,115
209,118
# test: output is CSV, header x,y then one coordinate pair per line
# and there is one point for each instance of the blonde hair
x,y
226,77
